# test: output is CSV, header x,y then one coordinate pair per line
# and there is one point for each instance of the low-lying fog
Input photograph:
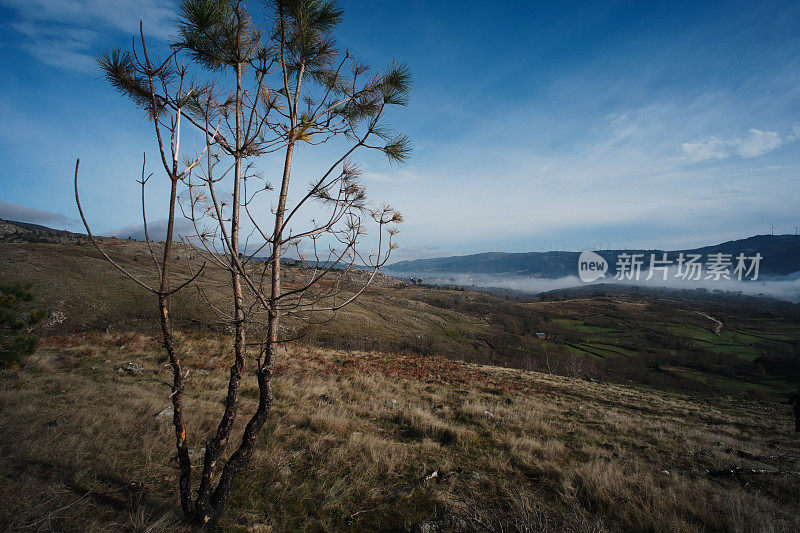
x,y
783,288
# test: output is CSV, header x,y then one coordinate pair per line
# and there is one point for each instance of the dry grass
x,y
353,433
664,343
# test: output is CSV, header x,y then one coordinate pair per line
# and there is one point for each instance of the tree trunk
x,y
174,359
216,445
177,407
241,457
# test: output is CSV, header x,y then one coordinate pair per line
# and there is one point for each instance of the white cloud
x,y
755,143
64,33
713,148
21,213
616,181
758,142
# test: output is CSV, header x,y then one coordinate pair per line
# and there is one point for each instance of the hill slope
x,y
353,437
665,341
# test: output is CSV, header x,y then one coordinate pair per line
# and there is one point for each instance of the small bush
x,y
15,344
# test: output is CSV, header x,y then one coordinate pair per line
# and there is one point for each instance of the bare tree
x,y
142,81
268,91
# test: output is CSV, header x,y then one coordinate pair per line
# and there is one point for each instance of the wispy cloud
x,y
393,176
21,213
617,180
755,143
157,229
63,33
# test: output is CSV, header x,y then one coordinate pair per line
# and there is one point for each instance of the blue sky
x,y
535,125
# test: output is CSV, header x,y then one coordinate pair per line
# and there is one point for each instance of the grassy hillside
x,y
671,342
354,435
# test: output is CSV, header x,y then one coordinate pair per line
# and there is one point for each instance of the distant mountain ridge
x,y
780,257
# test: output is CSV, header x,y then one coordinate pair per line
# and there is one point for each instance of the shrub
x,y
15,343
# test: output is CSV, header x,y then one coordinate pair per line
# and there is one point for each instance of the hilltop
x,y
781,256
14,231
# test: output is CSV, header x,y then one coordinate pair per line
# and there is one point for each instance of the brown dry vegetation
x,y
353,434
665,342
378,400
